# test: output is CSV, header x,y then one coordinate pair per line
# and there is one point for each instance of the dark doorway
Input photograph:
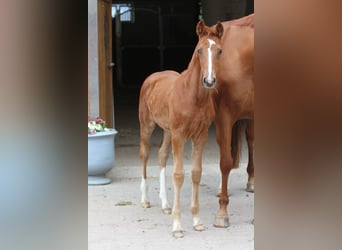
x,y
148,36
158,35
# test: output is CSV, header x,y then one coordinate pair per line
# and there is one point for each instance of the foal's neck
x,y
194,85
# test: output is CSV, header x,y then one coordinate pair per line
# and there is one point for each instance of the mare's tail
x,y
236,143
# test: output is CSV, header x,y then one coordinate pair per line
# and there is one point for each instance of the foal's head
x,y
209,51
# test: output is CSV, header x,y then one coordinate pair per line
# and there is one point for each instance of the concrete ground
x,y
117,221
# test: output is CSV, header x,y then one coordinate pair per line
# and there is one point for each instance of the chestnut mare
x,y
183,106
234,104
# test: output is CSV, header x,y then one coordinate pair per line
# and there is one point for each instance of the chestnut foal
x,y
182,105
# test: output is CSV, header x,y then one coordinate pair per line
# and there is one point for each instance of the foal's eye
x,y
219,51
199,51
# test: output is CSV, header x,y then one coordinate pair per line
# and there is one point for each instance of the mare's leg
x,y
146,128
236,147
250,166
196,173
218,193
223,138
178,179
163,155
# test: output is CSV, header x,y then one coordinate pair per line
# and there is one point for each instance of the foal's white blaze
x,y
210,58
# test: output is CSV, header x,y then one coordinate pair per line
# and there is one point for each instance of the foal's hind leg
x,y
163,155
146,128
250,166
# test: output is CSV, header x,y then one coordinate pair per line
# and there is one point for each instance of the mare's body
x,y
234,102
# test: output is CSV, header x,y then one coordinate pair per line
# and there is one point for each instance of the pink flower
x,y
99,120
98,125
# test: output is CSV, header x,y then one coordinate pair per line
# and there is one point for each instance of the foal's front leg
x,y
178,179
196,173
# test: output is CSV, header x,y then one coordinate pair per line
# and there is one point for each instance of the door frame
x,y
106,102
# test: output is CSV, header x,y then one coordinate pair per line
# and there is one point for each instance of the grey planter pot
x,y
101,156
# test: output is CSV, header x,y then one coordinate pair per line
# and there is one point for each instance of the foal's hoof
x,y
167,210
221,221
145,204
178,234
250,187
199,227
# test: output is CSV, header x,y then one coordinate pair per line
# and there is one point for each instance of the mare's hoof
x,y
250,188
221,221
199,227
146,204
178,234
167,210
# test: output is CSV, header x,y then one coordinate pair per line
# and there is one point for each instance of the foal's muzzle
x,y
209,83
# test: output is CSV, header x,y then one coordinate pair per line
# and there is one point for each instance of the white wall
x,y
93,64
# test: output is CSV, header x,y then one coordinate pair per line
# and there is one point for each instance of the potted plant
x,y
101,151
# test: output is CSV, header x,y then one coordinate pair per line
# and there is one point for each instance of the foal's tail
x,y
236,144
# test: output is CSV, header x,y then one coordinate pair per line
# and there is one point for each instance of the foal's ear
x,y
219,29
200,28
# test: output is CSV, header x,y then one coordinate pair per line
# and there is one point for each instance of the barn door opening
x,y
149,37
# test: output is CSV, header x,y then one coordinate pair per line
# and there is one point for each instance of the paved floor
x,y
117,221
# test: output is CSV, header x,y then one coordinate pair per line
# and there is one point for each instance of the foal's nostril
x,y
209,82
